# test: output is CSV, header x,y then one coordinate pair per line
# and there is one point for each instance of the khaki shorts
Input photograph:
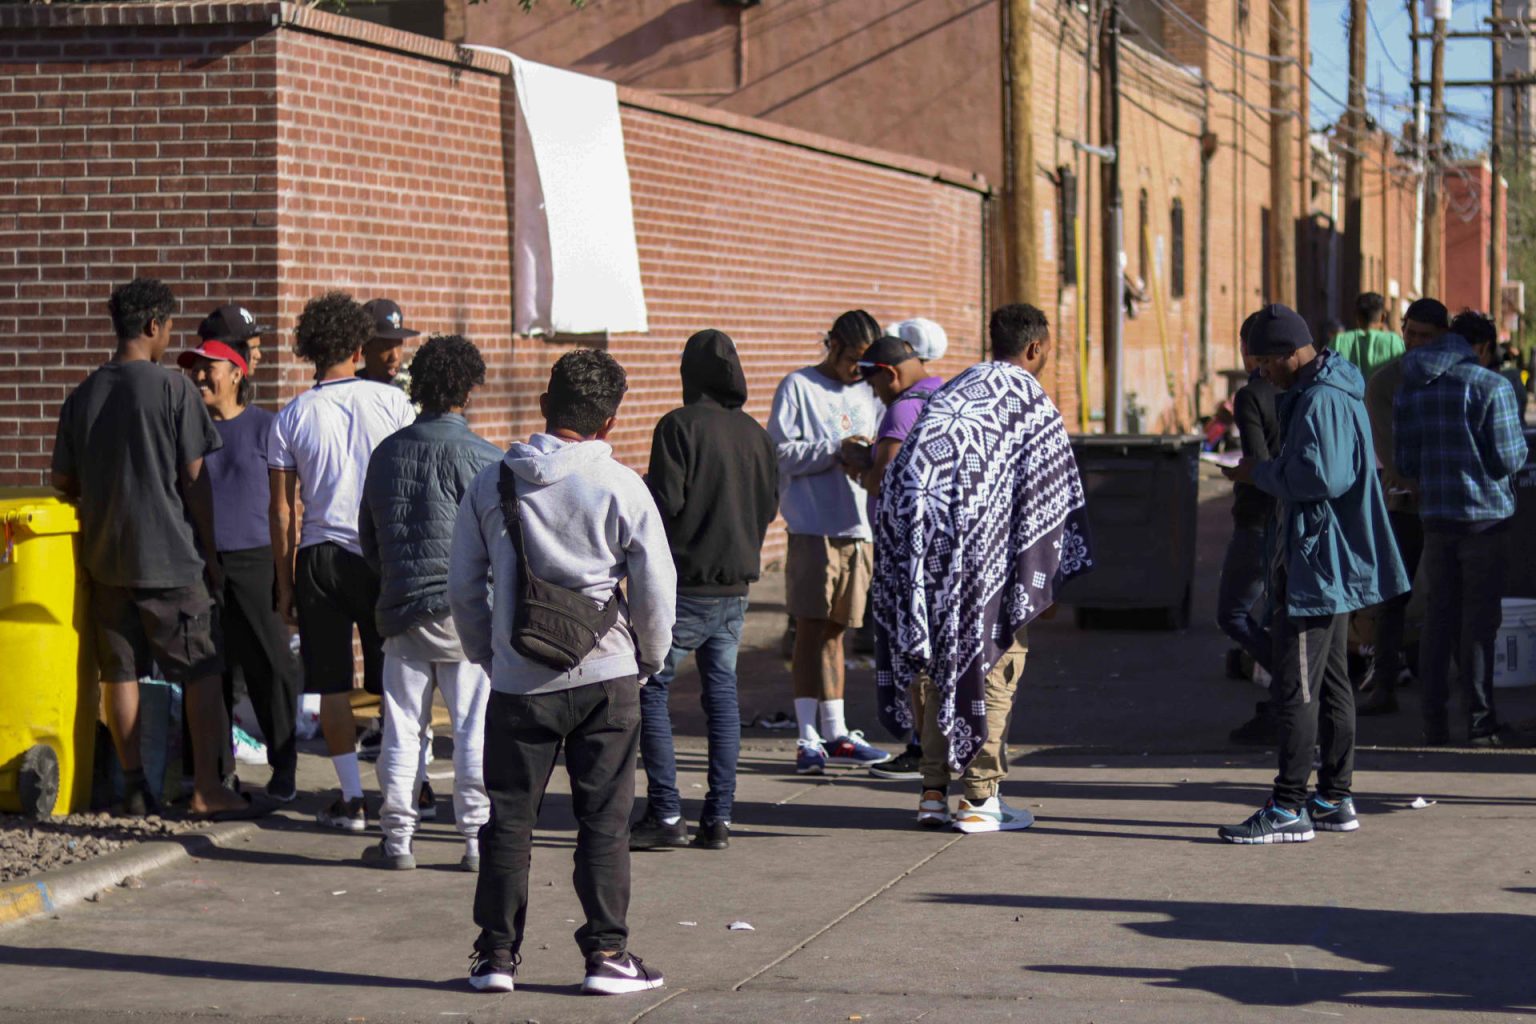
x,y
828,578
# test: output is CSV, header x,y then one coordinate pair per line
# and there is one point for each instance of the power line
x,y
1167,8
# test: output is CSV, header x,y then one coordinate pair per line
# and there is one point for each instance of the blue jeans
x,y
1242,584
710,629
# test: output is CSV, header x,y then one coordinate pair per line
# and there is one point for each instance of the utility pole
x,y
1418,150
1434,203
1282,194
1496,230
1114,222
1020,219
1354,161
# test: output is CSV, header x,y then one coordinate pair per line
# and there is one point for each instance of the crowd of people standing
x,y
548,594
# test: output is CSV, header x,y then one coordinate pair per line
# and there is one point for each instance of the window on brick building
x,y
1176,231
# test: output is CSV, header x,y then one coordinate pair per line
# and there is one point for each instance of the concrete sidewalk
x,y
1119,906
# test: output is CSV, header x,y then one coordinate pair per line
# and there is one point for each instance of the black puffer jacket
x,y
411,495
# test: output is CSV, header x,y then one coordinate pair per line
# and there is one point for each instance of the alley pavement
x,y
1120,905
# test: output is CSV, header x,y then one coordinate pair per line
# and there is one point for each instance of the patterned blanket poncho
x,y
980,520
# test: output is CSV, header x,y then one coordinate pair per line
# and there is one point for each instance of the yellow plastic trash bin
x,y
48,691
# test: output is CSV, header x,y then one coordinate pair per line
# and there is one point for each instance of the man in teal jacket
x,y
1331,553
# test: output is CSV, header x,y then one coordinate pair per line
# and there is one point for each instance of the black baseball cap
x,y
387,321
230,323
884,351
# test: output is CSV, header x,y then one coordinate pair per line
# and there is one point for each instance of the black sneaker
x,y
282,788
345,815
426,803
1333,817
618,974
904,767
495,971
138,801
1259,731
1499,738
370,743
712,835
651,833
1270,824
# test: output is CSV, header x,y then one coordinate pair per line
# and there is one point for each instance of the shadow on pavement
x,y
1455,962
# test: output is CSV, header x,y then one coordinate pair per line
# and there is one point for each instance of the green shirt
x,y
1369,349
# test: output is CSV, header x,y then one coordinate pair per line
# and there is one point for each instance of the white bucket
x,y
1514,651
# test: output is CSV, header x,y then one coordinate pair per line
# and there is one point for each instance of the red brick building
x,y
261,153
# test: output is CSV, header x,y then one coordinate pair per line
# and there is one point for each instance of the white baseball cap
x,y
927,338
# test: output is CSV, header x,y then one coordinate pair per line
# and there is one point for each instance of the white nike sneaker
x,y
991,816
618,975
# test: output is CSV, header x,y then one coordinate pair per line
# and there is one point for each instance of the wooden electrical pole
x,y
1354,159
1434,202
1114,221
1282,194
1496,230
1023,243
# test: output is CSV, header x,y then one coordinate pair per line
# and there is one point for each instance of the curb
x,y
50,892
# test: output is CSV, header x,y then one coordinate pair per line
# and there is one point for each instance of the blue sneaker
x,y
852,749
1331,817
811,759
1270,824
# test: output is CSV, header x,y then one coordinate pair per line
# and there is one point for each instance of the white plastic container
x,y
1514,651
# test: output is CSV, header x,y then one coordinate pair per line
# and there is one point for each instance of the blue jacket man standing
x,y
1459,437
1331,553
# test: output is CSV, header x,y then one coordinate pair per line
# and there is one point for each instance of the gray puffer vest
x,y
411,495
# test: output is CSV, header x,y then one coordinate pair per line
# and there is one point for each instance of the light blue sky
x,y
1388,66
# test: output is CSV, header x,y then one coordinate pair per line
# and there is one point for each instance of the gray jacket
x,y
411,495
589,523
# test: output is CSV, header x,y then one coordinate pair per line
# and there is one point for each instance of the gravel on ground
x,y
29,846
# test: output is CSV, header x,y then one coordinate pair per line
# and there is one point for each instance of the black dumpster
x,y
1143,499
1520,571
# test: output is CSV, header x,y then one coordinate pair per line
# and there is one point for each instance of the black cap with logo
x,y
230,323
387,321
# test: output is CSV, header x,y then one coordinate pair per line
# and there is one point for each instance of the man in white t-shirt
x,y
319,451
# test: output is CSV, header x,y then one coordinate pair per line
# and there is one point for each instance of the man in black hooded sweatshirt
x,y
715,476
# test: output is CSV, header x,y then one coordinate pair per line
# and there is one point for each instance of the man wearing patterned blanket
x,y
980,520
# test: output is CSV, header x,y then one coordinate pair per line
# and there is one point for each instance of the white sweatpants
x,y
408,688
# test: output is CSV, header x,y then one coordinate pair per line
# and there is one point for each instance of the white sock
x,y
348,775
672,820
832,723
805,716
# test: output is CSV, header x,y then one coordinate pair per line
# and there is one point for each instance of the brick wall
x,y
125,153
262,153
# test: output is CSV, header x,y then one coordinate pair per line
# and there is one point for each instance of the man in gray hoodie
x,y
588,523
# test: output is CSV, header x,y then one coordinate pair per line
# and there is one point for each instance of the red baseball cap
x,y
213,350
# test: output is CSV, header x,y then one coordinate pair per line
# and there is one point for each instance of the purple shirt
x,y
238,473
902,414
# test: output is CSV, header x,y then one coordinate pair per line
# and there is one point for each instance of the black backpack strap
x,y
506,487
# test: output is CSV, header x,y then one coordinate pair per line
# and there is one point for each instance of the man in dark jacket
x,y
1459,437
1243,569
1332,554
411,495
715,477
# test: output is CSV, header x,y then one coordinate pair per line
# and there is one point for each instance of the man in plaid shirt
x,y
1460,439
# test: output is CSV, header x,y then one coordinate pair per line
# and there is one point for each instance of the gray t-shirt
x,y
124,435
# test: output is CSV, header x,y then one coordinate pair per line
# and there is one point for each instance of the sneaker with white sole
x,y
991,815
1333,817
619,974
810,758
1270,824
495,971
345,815
904,767
852,749
933,809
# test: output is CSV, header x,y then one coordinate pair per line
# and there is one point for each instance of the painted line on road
x,y
840,918
19,902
